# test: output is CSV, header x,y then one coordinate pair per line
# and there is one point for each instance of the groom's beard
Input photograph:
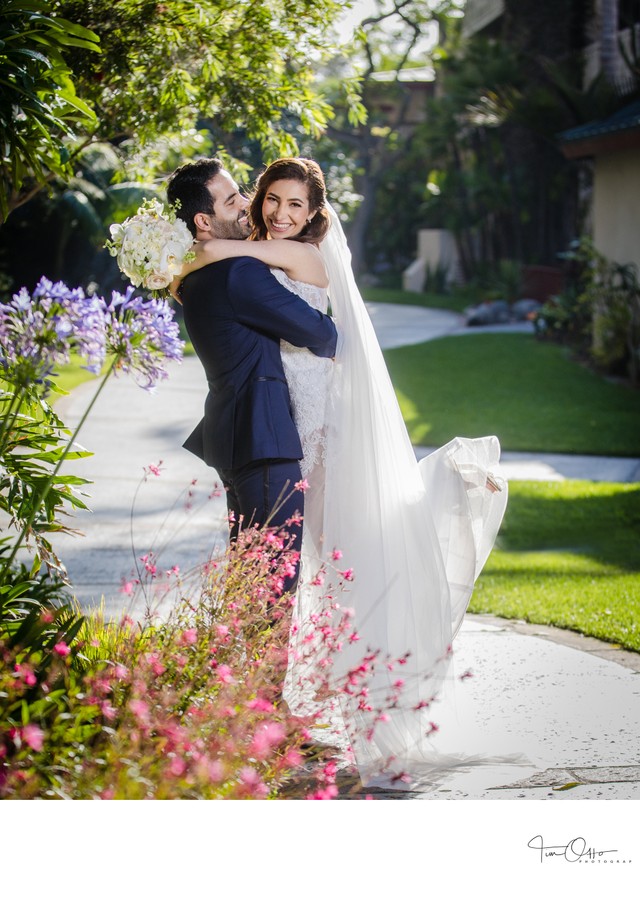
x,y
232,230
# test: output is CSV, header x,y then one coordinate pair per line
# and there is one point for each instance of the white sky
x,y
359,10
352,17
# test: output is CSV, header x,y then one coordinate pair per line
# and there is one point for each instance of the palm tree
x,y
608,33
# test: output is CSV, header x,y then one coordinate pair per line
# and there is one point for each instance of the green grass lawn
x,y
71,376
530,394
568,555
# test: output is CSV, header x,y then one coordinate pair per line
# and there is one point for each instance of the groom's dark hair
x,y
187,186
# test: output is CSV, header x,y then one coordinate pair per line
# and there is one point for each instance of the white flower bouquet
x,y
151,245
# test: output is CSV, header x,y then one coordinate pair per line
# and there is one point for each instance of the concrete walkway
x,y
571,705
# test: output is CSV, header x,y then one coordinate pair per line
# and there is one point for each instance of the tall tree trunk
x,y
609,38
360,224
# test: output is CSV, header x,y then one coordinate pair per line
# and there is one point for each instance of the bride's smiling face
x,y
285,208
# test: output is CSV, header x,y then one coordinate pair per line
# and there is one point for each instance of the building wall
x,y
616,205
480,13
436,249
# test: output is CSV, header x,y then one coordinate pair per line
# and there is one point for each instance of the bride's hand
x,y
174,288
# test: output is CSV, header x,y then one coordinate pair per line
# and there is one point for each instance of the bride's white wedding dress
x,y
415,534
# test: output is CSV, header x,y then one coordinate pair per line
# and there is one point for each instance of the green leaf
x,y
33,54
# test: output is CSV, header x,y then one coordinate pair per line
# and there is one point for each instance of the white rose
x,y
157,281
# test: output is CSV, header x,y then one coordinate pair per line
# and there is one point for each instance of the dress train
x,y
415,534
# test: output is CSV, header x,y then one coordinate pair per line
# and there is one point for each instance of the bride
x,y
415,534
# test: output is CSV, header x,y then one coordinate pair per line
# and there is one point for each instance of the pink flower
x,y
33,736
348,574
251,779
189,637
108,711
259,704
225,674
266,738
292,758
140,709
127,587
26,673
302,485
329,771
156,665
336,554
324,794
222,630
177,767
62,649
215,771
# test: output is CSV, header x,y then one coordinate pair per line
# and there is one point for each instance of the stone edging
x,y
606,650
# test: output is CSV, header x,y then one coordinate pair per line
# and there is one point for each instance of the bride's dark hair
x,y
293,169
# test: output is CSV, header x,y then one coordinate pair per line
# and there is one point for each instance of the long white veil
x,y
415,534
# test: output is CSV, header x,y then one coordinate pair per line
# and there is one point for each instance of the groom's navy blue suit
x,y
236,313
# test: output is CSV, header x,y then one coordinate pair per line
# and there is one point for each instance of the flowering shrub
x,y
188,707
39,676
37,334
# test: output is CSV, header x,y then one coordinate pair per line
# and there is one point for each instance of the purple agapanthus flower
x,y
142,334
39,331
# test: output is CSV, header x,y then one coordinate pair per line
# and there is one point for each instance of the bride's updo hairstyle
x,y
307,172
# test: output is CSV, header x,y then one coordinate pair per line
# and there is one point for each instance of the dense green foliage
x,y
598,312
160,69
39,105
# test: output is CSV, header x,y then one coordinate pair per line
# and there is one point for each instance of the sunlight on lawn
x,y
568,555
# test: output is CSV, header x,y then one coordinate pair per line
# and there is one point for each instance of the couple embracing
x,y
297,395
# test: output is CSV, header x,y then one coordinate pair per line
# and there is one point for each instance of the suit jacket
x,y
236,313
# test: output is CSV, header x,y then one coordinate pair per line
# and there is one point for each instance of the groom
x,y
236,313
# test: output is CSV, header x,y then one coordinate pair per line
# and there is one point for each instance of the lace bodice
x,y
308,378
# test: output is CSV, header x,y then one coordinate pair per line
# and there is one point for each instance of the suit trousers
x,y
263,493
